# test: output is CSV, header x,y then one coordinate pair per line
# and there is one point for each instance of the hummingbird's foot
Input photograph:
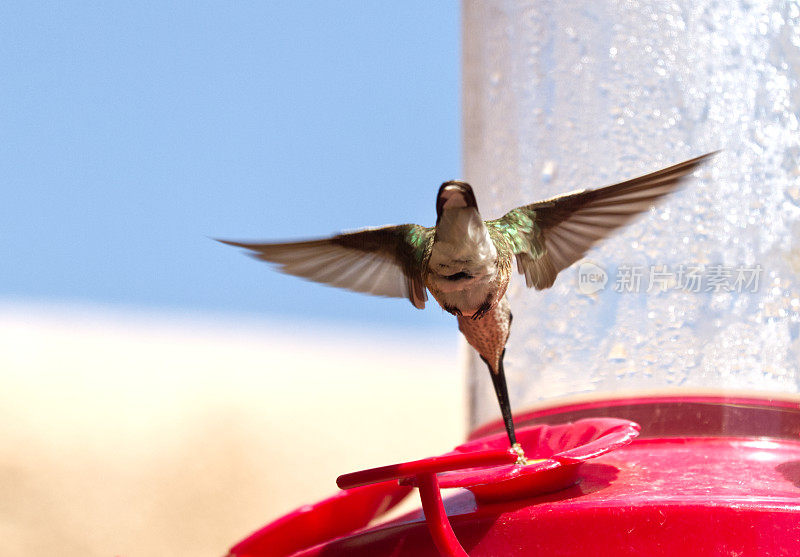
x,y
522,460
485,308
452,310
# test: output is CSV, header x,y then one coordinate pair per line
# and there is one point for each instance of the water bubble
x,y
548,171
792,193
618,353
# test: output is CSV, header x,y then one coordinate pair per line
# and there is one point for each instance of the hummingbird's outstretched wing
x,y
551,235
385,261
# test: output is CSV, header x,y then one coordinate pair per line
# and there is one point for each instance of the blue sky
x,y
134,131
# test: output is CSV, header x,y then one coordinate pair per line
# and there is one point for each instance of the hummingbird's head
x,y
454,194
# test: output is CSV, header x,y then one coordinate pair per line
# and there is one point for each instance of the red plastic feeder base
x,y
706,494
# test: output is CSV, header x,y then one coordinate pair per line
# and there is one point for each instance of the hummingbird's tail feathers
x,y
551,235
377,261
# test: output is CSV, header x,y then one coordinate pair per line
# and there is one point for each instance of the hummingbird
x,y
466,263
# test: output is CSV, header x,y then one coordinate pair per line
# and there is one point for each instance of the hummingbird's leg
x,y
487,306
452,309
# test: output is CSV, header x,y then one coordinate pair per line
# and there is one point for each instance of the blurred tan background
x,y
137,434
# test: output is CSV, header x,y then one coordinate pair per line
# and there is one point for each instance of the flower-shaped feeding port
x,y
489,468
553,452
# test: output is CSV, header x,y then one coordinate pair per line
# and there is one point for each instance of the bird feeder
x,y
655,386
